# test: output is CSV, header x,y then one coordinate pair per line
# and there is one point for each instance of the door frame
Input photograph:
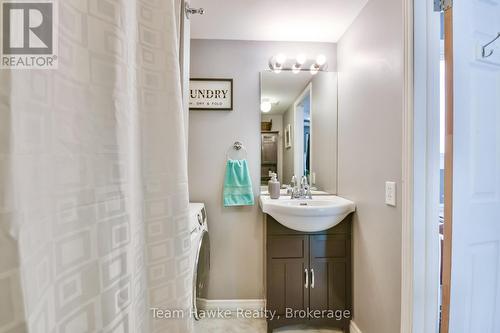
x,y
420,193
407,250
448,174
298,140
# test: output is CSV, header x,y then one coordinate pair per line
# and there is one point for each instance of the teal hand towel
x,y
237,184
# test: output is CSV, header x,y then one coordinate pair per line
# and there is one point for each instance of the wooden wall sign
x,y
211,94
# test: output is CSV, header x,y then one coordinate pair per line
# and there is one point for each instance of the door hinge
x,y
442,5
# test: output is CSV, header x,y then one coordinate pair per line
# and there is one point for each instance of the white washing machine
x,y
200,253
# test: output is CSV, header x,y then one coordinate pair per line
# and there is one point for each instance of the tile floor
x,y
248,326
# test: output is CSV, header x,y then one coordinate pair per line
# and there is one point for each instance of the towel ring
x,y
237,147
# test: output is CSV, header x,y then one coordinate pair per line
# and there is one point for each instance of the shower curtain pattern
x,y
93,181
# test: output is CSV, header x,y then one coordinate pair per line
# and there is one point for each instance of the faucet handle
x,y
308,192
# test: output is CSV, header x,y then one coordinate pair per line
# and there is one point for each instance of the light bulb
x,y
280,59
314,69
265,107
301,59
321,60
277,70
296,69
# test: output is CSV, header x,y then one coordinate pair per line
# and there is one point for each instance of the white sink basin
x,y
308,215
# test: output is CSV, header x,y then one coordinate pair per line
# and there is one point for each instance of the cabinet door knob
x,y
306,285
312,277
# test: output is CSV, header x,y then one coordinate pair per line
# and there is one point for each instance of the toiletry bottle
x,y
273,187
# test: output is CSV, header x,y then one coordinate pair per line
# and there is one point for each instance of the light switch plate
x,y
390,193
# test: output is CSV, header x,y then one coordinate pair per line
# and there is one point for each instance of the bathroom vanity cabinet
x,y
309,276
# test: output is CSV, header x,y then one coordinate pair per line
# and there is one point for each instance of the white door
x,y
475,277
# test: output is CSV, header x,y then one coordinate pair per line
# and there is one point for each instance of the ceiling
x,y
284,88
275,20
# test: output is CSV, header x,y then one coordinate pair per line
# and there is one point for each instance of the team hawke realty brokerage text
x,y
261,313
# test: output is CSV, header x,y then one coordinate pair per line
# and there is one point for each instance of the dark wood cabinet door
x,y
287,262
330,272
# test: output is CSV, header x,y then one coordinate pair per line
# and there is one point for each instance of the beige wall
x,y
236,233
370,153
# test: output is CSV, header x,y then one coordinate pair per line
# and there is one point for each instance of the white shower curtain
x,y
93,180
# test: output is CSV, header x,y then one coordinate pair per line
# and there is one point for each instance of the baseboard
x,y
354,328
231,304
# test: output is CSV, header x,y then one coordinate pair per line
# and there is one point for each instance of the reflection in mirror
x,y
299,128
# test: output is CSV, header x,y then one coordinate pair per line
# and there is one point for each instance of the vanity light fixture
x,y
280,59
320,60
265,106
296,69
314,69
280,62
300,60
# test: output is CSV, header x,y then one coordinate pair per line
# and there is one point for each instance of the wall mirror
x,y
299,128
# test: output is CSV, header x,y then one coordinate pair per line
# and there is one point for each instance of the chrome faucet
x,y
291,188
305,188
300,192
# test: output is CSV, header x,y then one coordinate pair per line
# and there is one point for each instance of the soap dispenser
x,y
273,187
